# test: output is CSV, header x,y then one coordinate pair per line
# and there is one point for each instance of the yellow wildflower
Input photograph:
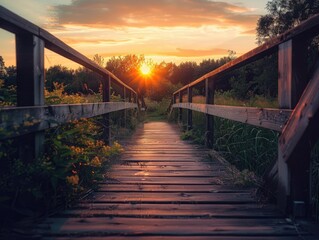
x,y
73,180
96,162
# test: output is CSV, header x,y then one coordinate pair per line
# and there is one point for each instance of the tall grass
x,y
156,110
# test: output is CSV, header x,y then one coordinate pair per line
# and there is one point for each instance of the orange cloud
x,y
195,52
92,41
154,13
180,52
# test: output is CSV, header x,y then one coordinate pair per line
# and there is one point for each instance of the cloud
x,y
154,13
180,52
92,41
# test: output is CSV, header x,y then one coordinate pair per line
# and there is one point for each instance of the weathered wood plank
x,y
167,227
22,120
165,180
165,173
301,118
171,211
169,188
274,119
181,197
182,238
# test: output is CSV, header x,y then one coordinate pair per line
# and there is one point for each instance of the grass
x,y
156,111
245,146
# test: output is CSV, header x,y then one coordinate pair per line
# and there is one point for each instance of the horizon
x,y
176,31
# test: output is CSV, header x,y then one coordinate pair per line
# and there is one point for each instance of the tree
x,y
58,74
284,15
3,72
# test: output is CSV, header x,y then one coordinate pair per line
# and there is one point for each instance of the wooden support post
x,y
209,92
106,117
30,88
293,175
125,111
180,110
189,112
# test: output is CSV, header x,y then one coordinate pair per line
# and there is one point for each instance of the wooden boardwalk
x,y
164,188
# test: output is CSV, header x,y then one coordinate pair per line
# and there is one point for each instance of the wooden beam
x,y
106,117
273,119
189,112
180,111
209,92
292,79
30,88
19,121
301,120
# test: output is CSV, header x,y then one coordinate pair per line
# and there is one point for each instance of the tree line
x,y
257,78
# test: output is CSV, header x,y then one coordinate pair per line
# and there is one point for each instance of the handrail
x,y
297,116
309,27
32,116
16,24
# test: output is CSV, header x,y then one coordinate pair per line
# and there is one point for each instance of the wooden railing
x,y
31,116
296,118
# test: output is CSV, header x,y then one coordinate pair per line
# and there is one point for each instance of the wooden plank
x,y
165,180
165,173
166,227
163,158
15,121
182,197
164,163
183,238
148,167
273,119
171,211
168,188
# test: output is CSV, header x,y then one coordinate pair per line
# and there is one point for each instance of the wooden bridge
x,y
165,188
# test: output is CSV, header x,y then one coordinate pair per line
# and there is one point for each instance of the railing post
x,y
125,111
106,117
30,88
209,92
180,110
293,175
189,112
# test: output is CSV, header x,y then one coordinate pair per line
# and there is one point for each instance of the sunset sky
x,y
169,30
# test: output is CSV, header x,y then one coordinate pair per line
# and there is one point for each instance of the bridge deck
x,y
165,188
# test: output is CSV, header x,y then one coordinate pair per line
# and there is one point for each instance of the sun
x,y
145,69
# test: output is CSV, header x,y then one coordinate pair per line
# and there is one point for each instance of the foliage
x,y
58,95
284,15
75,159
8,95
156,110
247,147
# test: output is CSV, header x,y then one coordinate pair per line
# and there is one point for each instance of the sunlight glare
x,y
145,69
